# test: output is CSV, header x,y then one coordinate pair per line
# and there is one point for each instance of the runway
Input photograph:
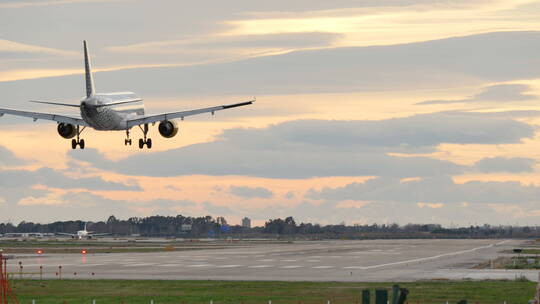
x,y
368,260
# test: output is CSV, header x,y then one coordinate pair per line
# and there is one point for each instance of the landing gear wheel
x,y
78,142
127,141
145,141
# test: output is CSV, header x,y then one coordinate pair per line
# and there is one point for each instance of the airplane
x,y
82,234
119,111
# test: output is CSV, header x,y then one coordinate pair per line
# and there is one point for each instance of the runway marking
x,y
288,260
313,261
426,258
200,265
322,267
229,266
169,265
89,265
139,264
266,260
260,266
290,267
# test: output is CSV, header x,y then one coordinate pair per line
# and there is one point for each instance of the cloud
x,y
7,158
415,66
52,178
251,192
432,190
504,164
311,148
288,41
88,206
494,93
24,4
216,210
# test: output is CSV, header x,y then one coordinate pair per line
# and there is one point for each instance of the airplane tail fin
x,y
88,73
86,223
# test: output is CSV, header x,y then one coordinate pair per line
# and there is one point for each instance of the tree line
x,y
207,226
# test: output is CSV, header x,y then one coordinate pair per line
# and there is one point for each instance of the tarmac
x,y
360,261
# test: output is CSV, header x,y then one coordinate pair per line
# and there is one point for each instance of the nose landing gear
x,y
145,141
78,142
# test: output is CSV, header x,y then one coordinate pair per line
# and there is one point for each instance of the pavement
x,y
343,260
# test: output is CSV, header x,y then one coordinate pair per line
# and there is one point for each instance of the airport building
x,y
246,222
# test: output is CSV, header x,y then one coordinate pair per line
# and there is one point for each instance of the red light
x,y
39,251
83,251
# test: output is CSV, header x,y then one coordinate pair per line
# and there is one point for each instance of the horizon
x,y
367,111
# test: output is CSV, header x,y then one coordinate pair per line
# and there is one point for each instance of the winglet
x,y
88,73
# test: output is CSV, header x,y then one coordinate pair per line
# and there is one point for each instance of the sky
x,y
368,111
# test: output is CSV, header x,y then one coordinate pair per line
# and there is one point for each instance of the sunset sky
x,y
368,111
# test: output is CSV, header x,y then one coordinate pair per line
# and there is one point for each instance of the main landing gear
x,y
145,141
78,142
127,141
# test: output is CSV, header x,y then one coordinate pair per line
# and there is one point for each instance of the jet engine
x,y
168,128
67,130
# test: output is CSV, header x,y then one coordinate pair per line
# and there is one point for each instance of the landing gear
x,y
145,141
127,141
78,142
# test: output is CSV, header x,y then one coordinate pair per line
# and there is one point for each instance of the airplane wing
x,y
172,115
45,116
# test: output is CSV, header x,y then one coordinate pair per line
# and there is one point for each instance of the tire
x,y
81,144
141,143
73,144
149,143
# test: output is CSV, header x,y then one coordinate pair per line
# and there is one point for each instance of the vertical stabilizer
x,y
88,73
85,226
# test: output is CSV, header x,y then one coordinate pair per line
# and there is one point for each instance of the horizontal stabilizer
x,y
119,102
55,103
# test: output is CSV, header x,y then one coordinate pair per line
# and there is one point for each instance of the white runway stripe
x,y
290,267
322,267
229,266
260,266
139,264
200,265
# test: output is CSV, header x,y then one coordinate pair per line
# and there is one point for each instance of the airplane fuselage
x,y
112,117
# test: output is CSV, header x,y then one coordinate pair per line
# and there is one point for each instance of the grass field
x,y
126,291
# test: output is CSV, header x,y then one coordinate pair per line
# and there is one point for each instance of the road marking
x,y
322,267
291,267
169,265
288,260
313,261
266,260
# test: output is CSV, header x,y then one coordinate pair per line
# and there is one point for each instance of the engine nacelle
x,y
67,130
168,128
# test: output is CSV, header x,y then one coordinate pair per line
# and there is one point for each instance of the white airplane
x,y
81,234
112,112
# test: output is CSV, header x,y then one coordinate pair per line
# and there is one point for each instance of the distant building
x,y
186,227
246,222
